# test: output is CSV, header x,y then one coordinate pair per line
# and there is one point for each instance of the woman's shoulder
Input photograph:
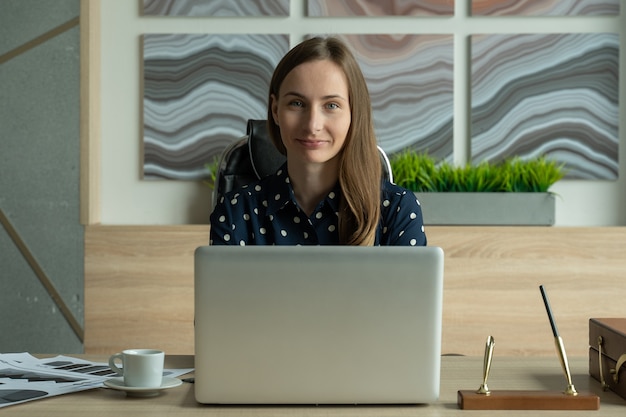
x,y
391,190
252,189
394,196
258,190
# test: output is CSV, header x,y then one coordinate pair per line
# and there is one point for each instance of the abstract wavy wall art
x,y
545,7
199,92
216,7
343,8
547,94
410,78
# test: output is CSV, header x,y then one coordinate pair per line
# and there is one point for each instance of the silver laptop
x,y
317,324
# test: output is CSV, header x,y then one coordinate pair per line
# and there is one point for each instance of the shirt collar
x,y
285,195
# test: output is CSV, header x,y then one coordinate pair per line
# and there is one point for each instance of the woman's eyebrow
x,y
293,93
327,97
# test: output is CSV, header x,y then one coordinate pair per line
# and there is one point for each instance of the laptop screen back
x,y
317,324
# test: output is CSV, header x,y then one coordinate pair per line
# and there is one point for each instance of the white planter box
x,y
510,209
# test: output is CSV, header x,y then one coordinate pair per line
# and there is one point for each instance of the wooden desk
x,y
456,373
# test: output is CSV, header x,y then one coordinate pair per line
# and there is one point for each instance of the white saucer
x,y
118,383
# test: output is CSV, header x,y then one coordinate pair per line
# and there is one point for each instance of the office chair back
x,y
254,156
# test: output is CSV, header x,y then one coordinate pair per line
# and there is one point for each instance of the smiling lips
x,y
311,143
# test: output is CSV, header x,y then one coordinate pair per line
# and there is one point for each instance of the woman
x,y
329,192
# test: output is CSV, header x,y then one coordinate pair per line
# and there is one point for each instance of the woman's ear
x,y
274,107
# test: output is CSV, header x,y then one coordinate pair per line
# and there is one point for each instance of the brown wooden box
x,y
608,335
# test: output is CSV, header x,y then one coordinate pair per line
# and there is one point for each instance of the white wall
x,y
126,199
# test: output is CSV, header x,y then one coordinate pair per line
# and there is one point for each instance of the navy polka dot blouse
x,y
266,213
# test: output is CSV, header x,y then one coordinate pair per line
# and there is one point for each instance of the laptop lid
x,y
317,324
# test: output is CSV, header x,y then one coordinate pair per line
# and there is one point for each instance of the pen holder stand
x,y
526,400
486,399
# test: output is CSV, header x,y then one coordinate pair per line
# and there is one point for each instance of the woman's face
x,y
312,111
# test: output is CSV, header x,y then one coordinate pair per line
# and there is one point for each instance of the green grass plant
x,y
420,172
211,168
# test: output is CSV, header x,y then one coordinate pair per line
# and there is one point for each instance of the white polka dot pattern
x,y
268,214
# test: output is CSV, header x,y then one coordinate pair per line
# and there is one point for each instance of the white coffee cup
x,y
140,367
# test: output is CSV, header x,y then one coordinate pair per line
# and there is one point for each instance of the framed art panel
x,y
347,8
200,8
547,94
410,78
198,93
545,7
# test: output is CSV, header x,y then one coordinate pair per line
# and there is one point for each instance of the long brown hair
x,y
360,167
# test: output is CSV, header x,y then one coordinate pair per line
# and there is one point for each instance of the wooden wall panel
x,y
90,156
492,278
139,286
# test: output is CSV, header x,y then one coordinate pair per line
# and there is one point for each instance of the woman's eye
x,y
296,103
332,106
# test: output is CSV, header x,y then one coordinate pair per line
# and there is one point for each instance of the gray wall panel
x,y
39,181
23,20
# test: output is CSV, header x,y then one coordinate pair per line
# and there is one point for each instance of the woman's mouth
x,y
311,143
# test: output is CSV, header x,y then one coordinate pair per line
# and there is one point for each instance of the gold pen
x,y
560,347
484,389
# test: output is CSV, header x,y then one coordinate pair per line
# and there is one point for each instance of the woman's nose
x,y
315,120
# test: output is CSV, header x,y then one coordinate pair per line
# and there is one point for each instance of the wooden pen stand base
x,y
527,400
